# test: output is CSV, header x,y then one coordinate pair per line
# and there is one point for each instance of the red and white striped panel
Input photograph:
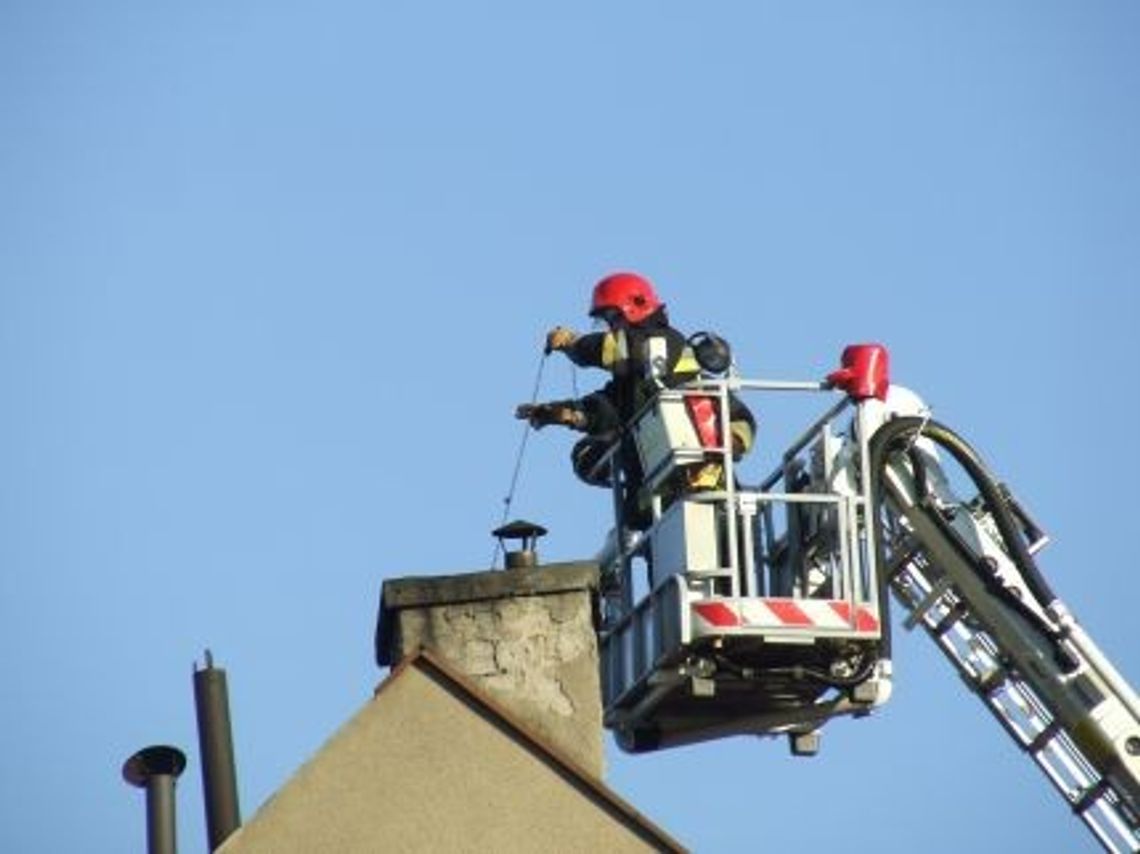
x,y
785,614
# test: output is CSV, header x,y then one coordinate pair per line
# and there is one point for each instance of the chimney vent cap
x,y
519,529
157,760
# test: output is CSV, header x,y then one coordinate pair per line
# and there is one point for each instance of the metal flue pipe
x,y
216,747
156,769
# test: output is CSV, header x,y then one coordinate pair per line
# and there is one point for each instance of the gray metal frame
x,y
646,640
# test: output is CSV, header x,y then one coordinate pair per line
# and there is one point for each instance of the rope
x,y
510,496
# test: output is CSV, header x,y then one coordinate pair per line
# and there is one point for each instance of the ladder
x,y
925,572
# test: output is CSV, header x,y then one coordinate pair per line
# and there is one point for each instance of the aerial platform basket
x,y
760,608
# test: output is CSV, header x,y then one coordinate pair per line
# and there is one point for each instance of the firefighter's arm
x,y
592,350
568,413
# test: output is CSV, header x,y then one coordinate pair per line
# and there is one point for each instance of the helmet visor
x,y
607,317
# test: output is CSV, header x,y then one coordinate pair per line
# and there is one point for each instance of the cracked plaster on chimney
x,y
537,653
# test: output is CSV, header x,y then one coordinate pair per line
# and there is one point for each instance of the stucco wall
x,y
422,768
526,638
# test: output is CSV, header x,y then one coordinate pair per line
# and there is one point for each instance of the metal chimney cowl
x,y
527,533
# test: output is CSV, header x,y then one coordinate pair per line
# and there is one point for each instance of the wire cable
x,y
510,496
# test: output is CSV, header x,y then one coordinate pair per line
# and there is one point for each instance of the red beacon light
x,y
865,372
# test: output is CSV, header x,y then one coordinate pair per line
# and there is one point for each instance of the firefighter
x,y
643,353
639,349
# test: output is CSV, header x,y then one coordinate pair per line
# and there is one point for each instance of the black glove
x,y
561,412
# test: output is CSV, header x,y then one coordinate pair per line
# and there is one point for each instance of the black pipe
x,y
156,769
988,486
215,744
806,672
995,498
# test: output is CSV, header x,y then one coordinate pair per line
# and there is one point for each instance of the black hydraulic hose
x,y
851,681
801,671
993,584
882,443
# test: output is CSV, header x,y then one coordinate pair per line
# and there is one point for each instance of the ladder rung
x,y
957,611
1090,796
899,563
991,681
928,602
1038,742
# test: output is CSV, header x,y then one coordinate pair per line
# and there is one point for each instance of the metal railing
x,y
759,555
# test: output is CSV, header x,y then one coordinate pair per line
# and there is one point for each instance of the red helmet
x,y
629,294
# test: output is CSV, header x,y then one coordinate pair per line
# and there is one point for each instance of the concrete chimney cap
x,y
420,592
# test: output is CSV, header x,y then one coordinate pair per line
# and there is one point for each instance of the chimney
x,y
216,748
156,769
526,635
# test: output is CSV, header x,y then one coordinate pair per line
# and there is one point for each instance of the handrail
x,y
731,494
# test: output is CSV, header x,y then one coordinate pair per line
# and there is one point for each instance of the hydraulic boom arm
x,y
765,606
966,573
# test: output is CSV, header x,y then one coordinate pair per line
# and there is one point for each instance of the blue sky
x,y
274,275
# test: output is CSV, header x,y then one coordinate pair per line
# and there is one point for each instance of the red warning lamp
x,y
865,372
